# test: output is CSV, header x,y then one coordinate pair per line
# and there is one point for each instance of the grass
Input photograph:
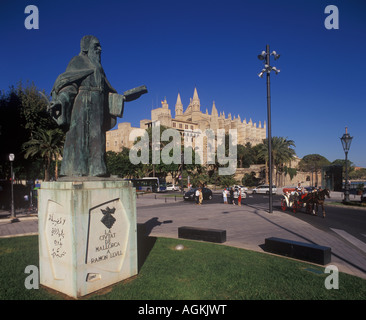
x,y
200,271
349,204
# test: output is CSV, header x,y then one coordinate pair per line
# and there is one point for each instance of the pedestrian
x,y
201,196
224,196
231,195
197,194
239,197
235,197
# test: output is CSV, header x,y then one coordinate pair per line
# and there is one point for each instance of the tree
x,y
246,155
23,111
48,145
313,163
250,180
358,174
342,162
258,158
120,164
12,134
282,153
34,109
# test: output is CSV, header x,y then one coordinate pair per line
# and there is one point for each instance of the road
x,y
349,223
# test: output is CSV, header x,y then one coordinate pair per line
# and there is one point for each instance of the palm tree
x,y
282,153
48,144
285,154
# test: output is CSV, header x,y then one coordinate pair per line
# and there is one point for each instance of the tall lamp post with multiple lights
x,y
346,144
265,57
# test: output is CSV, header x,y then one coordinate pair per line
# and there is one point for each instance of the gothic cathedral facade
x,y
190,122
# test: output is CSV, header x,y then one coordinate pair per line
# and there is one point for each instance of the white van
x,y
264,188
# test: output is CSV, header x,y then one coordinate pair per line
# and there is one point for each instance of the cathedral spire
x,y
214,110
195,95
196,101
178,106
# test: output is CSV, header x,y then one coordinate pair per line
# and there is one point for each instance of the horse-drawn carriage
x,y
295,201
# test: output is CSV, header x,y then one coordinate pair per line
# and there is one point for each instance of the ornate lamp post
x,y
265,56
346,144
181,172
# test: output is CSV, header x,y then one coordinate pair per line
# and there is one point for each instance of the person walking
x,y
239,197
224,195
231,195
231,201
197,195
200,196
235,202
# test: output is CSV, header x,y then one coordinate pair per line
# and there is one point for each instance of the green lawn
x,y
200,271
357,204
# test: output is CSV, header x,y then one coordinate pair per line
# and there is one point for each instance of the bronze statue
x,y
86,106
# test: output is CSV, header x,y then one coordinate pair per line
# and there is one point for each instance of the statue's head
x,y
90,46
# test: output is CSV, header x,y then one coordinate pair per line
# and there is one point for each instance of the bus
x,y
149,184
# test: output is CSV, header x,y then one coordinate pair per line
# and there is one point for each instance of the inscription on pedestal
x,y
57,227
107,236
57,235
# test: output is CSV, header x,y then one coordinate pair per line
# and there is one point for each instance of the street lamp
x,y
181,171
11,159
346,144
265,57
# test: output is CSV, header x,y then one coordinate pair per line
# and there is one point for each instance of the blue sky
x,y
175,46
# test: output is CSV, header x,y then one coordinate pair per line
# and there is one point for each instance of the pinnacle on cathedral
x,y
214,112
196,101
178,106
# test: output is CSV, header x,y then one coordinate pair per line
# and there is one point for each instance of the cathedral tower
x,y
178,106
196,105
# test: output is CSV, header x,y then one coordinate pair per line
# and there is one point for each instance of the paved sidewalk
x,y
27,225
246,227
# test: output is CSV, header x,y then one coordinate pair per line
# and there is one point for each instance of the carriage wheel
x,y
283,205
294,207
308,208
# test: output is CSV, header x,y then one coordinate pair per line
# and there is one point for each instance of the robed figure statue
x,y
86,105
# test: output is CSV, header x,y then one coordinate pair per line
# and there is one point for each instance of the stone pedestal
x,y
87,235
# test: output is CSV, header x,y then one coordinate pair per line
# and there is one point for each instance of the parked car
x,y
363,197
172,187
264,188
244,190
190,195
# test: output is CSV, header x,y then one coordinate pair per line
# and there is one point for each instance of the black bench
x,y
299,250
204,234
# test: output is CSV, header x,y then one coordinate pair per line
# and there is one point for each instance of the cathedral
x,y
190,122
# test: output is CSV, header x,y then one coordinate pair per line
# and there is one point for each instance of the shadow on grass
x,y
145,242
